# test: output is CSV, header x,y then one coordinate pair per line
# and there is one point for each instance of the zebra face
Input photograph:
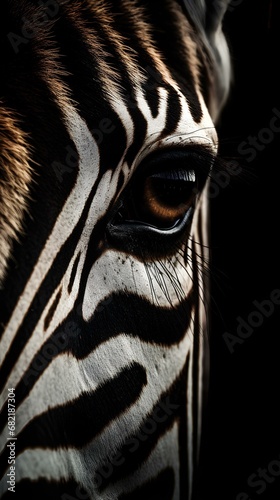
x,y
110,142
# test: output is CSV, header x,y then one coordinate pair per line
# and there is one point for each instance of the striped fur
x,y
103,323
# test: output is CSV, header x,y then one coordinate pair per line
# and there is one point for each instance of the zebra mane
x,y
15,177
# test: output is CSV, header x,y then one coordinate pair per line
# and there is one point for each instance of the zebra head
x,y
107,132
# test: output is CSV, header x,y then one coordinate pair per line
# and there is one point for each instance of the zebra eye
x,y
161,199
155,209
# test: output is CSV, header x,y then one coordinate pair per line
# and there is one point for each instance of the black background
x,y
242,428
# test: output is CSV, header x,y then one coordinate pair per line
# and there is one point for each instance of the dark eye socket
x,y
163,190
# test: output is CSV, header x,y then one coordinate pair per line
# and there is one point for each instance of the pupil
x,y
171,192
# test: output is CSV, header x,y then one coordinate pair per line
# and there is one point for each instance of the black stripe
x,y
206,70
158,488
52,309
151,95
116,314
73,273
174,110
112,59
77,423
139,446
165,33
46,490
120,313
93,104
125,25
140,131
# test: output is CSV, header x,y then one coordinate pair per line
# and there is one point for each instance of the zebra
x,y
108,140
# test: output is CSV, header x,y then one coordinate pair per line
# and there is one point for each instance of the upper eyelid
x,y
194,158
181,140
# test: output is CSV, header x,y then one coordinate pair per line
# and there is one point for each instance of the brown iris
x,y
164,198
